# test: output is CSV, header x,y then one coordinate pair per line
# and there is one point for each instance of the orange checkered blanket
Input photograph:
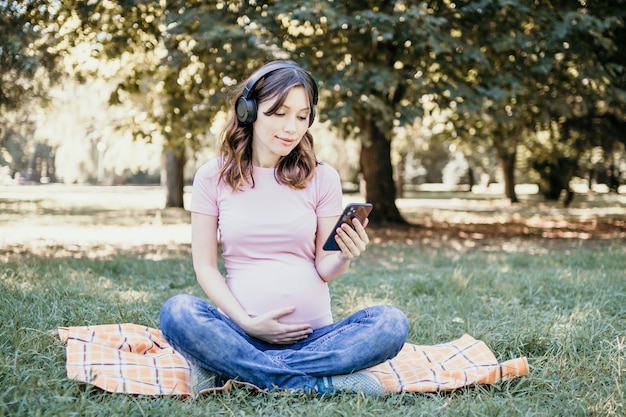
x,y
133,359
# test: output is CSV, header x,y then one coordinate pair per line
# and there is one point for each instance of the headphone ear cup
x,y
246,110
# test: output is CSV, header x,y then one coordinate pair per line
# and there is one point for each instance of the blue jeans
x,y
209,339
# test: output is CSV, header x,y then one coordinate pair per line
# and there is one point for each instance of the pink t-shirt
x,y
268,238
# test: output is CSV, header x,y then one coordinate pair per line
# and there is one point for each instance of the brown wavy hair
x,y
294,169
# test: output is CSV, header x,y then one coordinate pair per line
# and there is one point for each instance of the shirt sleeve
x,y
204,190
330,202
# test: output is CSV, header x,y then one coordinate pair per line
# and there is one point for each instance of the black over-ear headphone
x,y
246,107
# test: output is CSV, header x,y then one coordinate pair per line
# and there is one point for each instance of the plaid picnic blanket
x,y
133,359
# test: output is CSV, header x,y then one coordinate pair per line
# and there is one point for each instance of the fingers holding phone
x,y
349,235
352,238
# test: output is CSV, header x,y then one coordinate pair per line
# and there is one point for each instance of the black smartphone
x,y
352,210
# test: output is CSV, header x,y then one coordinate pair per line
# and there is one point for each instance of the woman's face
x,y
278,134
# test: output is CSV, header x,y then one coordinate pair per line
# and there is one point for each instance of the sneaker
x,y
203,380
358,382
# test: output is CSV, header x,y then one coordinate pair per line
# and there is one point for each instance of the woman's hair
x,y
294,169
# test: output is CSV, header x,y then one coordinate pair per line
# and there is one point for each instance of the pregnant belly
x,y
260,291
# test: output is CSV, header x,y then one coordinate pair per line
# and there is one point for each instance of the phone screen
x,y
352,210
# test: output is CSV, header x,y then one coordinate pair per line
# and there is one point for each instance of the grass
x,y
561,305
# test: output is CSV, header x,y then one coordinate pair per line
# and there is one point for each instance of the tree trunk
x,y
507,160
506,140
555,176
400,174
380,189
173,162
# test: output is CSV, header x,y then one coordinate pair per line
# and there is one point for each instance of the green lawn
x,y
560,303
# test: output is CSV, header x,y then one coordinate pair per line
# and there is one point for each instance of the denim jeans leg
x,y
366,338
211,340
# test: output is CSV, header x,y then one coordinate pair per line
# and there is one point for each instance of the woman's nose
x,y
290,124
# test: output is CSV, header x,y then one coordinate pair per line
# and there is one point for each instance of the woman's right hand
x,y
267,327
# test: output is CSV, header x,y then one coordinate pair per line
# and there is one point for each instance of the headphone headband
x,y
246,106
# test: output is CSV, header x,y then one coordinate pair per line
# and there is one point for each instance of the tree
x,y
504,69
25,49
590,108
27,63
600,122
540,68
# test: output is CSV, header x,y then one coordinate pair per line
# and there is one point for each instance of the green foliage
x,y
504,70
541,73
371,58
25,48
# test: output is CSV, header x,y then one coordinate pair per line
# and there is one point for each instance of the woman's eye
x,y
303,117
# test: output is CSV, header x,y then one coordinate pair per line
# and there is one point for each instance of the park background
x,y
489,135
411,92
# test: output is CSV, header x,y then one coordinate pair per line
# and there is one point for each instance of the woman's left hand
x,y
352,241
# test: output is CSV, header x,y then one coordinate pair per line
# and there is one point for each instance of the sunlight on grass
x,y
559,302
563,309
352,301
